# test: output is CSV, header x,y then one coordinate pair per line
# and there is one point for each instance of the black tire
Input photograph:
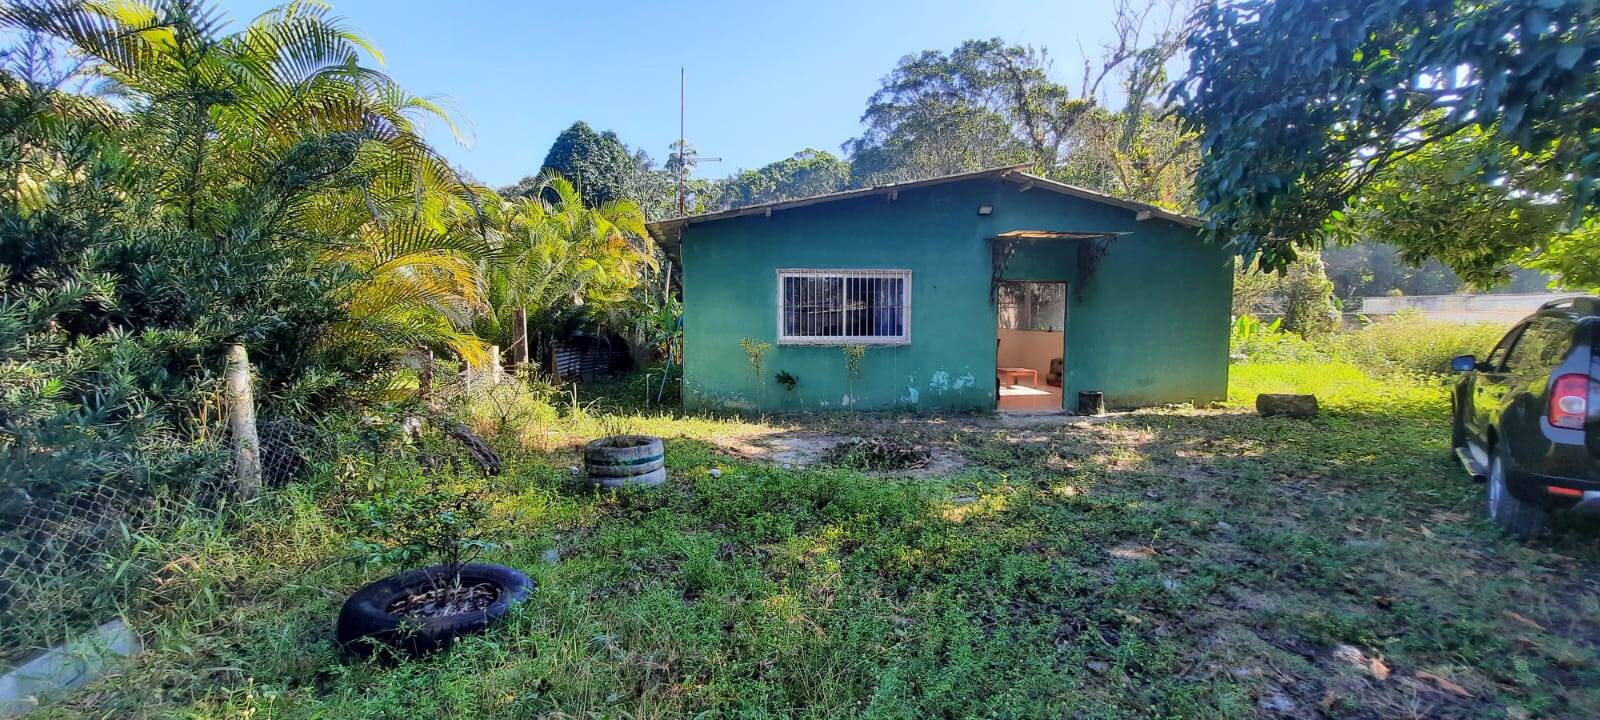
x,y
1517,518
365,625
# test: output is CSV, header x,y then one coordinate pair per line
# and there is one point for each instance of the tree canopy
x,y
598,164
808,172
168,189
1412,114
987,103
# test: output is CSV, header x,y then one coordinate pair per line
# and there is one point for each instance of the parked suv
x,y
1527,417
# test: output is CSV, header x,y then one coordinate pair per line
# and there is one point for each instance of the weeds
x,y
1174,563
1405,343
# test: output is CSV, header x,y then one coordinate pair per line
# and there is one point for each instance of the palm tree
x,y
558,259
274,156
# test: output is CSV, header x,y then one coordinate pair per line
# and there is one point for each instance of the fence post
x,y
494,364
242,423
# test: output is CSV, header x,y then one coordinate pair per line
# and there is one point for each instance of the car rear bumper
x,y
1555,491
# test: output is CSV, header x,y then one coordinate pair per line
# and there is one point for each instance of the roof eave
x,y
1145,210
661,228
669,231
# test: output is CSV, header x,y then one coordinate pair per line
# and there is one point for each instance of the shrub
x,y
516,409
1410,342
1256,341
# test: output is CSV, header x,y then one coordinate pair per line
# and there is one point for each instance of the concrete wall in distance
x,y
1502,309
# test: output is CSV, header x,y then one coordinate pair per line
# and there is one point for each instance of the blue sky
x,y
766,79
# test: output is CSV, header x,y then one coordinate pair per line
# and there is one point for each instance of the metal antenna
x,y
683,147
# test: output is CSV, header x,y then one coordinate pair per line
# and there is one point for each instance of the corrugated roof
x,y
1014,173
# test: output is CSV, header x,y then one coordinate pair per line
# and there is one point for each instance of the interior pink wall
x,y
1030,349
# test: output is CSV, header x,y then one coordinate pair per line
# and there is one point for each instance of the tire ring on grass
x,y
365,624
625,460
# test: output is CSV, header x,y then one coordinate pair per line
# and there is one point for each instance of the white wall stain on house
x,y
911,396
939,381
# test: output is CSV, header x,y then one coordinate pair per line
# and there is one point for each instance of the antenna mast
x,y
683,150
683,188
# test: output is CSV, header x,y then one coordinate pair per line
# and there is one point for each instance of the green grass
x,y
1162,564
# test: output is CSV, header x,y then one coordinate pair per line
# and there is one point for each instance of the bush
x,y
517,409
1256,341
1406,343
1410,342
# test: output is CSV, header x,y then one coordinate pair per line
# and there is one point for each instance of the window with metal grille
x,y
838,307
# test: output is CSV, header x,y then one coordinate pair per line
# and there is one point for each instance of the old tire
x,y
365,625
1517,518
625,460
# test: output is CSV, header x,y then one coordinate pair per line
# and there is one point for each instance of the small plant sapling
x,y
755,353
615,425
853,353
427,519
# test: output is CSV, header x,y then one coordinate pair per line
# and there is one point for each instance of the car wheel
x,y
1519,519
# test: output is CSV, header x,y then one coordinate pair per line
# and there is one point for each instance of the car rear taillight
x,y
1569,401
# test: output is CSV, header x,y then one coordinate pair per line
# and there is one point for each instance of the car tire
x,y
365,624
1519,519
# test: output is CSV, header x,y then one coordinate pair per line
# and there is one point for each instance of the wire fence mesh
x,y
68,555
69,548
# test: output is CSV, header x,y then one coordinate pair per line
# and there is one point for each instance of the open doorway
x,y
1030,345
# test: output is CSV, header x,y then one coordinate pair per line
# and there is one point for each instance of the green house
x,y
985,290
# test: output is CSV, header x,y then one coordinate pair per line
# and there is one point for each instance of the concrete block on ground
x,y
65,668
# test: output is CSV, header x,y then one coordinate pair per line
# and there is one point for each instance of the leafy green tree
x,y
1308,105
942,113
597,163
654,189
699,195
808,172
1476,203
1367,269
262,187
277,191
987,103
1301,296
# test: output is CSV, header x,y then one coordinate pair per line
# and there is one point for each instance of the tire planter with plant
x,y
622,460
423,611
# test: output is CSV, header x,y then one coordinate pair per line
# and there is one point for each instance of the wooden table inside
x,y
1010,375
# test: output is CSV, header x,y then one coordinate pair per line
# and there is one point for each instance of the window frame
x,y
904,274
1508,343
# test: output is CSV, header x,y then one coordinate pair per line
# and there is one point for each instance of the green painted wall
x,y
1151,325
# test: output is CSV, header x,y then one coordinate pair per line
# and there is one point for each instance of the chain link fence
x,y
69,542
68,550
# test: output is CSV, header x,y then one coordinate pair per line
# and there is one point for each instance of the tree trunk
x,y
425,376
242,423
519,338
